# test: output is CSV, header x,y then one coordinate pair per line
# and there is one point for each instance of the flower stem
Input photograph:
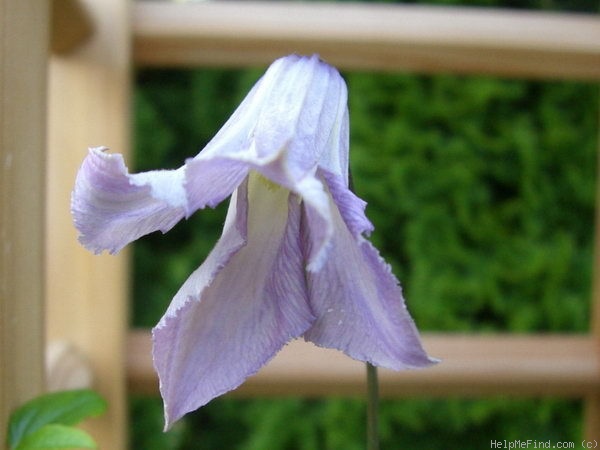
x,y
372,387
372,408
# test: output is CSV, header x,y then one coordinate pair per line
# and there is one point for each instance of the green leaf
x,y
64,408
53,437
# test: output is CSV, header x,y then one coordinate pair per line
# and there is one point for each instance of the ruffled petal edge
x,y
111,207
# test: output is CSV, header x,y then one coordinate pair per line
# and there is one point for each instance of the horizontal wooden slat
x,y
471,365
375,37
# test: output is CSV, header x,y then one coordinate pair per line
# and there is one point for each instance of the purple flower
x,y
292,260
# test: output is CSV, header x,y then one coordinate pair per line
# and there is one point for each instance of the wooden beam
x,y
88,295
535,365
369,37
23,54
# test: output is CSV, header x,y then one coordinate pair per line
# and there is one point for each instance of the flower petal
x,y
335,158
209,182
111,207
359,305
350,206
299,118
292,119
240,307
317,208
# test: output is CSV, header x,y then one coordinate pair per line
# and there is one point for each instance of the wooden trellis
x,y
89,88
23,50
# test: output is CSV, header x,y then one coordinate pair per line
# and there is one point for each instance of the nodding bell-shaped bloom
x,y
292,260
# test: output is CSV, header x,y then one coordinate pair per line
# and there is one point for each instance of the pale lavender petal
x,y
293,119
359,305
209,182
240,307
318,210
350,206
299,117
319,213
220,167
213,174
335,159
111,207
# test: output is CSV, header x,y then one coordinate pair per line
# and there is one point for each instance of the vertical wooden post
x,y
89,95
592,402
23,55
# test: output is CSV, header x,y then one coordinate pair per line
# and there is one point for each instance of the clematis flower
x,y
292,261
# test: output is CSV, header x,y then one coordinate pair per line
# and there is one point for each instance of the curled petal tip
x,y
111,207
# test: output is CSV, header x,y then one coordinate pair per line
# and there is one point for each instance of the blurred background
x,y
482,192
